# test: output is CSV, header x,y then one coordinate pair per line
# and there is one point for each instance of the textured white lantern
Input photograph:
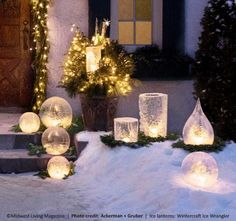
x,y
55,140
126,129
200,169
153,114
198,130
93,56
56,111
29,122
58,167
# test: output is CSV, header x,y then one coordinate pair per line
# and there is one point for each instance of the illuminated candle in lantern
x,y
153,114
58,167
199,169
197,129
93,56
29,122
126,129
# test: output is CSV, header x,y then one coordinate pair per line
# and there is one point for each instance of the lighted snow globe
x,y
55,140
198,130
29,122
58,167
56,111
199,169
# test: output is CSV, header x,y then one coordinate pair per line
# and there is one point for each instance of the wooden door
x,y
15,59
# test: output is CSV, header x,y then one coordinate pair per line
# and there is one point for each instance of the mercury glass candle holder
x,y
153,114
126,129
93,56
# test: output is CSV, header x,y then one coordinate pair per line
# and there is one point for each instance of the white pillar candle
x,y
126,129
93,56
153,114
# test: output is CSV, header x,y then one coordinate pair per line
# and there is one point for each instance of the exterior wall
x,y
180,101
193,14
62,14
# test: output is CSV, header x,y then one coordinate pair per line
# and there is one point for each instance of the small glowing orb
x,y
126,129
197,129
55,140
29,122
200,169
58,167
56,111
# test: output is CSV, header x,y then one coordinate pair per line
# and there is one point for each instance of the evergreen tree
x,y
215,66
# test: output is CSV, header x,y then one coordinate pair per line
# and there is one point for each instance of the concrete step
x,y
18,161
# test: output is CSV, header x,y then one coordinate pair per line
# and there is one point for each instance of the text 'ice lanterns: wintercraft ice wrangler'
x,y
126,129
153,114
198,130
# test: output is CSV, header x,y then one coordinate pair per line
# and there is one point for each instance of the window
x,y
135,22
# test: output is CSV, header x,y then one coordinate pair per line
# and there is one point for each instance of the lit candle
x,y
93,56
126,129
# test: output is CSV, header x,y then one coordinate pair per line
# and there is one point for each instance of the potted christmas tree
x,y
99,71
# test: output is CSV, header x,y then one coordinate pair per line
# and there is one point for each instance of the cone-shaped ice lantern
x,y
198,130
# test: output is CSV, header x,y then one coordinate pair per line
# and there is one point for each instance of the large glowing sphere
x,y
55,140
29,122
197,129
56,111
58,167
200,169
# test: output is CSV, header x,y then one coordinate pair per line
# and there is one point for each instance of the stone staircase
x,y
14,156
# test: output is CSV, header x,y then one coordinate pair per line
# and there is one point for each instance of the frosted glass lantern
x,y
55,140
153,114
56,111
200,169
58,167
29,122
93,56
198,130
126,129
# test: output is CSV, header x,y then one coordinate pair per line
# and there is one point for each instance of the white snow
x,y
145,181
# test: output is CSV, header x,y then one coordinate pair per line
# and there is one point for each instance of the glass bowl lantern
x,y
126,129
197,129
58,167
56,111
200,169
29,122
55,140
153,114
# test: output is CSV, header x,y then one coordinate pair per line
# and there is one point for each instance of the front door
x,y
15,59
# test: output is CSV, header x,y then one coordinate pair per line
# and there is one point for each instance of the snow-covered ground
x,y
123,182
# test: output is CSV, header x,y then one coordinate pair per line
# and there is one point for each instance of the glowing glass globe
x,y
29,122
197,129
200,169
56,111
55,140
58,167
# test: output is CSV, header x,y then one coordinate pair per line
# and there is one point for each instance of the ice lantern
x,y
126,129
198,130
55,140
58,167
56,111
153,114
199,169
29,122
93,56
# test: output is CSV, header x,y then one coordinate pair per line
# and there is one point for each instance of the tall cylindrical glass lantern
x,y
153,114
126,129
93,56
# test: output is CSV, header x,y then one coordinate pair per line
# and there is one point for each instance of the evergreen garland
x,y
143,140
217,146
40,48
215,66
111,79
